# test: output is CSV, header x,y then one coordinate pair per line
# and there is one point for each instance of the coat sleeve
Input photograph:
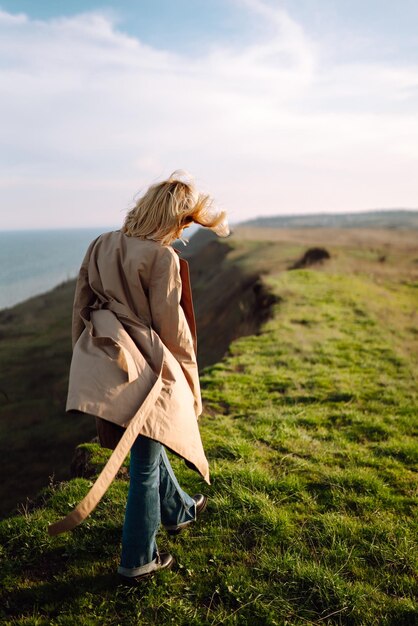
x,y
84,296
169,320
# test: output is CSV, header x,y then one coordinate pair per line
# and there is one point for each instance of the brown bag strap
x,y
186,301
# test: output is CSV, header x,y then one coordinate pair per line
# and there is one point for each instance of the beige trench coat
x,y
134,352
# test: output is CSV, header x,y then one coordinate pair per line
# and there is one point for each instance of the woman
x,y
134,366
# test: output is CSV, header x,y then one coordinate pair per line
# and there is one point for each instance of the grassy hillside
x,y
309,428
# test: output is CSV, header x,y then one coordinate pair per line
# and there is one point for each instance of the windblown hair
x,y
168,207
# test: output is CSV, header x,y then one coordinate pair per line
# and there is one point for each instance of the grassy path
x,y
309,430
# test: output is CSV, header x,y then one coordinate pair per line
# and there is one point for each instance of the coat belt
x,y
120,310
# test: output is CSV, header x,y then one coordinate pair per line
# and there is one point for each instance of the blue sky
x,y
275,106
386,28
180,25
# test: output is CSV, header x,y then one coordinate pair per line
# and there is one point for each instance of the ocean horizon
x,y
35,261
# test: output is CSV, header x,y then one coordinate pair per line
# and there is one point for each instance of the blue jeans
x,y
154,497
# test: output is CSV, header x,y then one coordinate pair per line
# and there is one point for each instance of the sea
x,y
35,261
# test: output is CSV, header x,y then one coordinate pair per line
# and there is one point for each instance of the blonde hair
x,y
167,207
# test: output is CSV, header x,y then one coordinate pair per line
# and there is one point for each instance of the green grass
x,y
310,428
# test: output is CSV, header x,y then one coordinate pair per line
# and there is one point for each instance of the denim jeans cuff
x,y
131,572
186,522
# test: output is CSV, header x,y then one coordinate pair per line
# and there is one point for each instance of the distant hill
x,y
383,218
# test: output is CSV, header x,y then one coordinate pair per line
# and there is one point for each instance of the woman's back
x,y
121,268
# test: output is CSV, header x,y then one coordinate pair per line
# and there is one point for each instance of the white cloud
x,y
90,115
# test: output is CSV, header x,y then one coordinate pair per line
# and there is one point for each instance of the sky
x,y
274,106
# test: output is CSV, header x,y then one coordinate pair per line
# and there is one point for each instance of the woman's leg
x,y
142,515
177,507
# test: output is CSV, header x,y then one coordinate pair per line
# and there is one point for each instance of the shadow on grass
x,y
49,597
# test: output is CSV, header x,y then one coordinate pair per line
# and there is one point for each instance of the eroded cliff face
x,y
229,302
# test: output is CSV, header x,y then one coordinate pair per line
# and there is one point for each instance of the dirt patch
x,y
312,256
82,466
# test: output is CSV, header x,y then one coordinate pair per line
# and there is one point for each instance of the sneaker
x,y
163,561
201,504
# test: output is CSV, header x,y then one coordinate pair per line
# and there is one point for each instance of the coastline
x,y
33,262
